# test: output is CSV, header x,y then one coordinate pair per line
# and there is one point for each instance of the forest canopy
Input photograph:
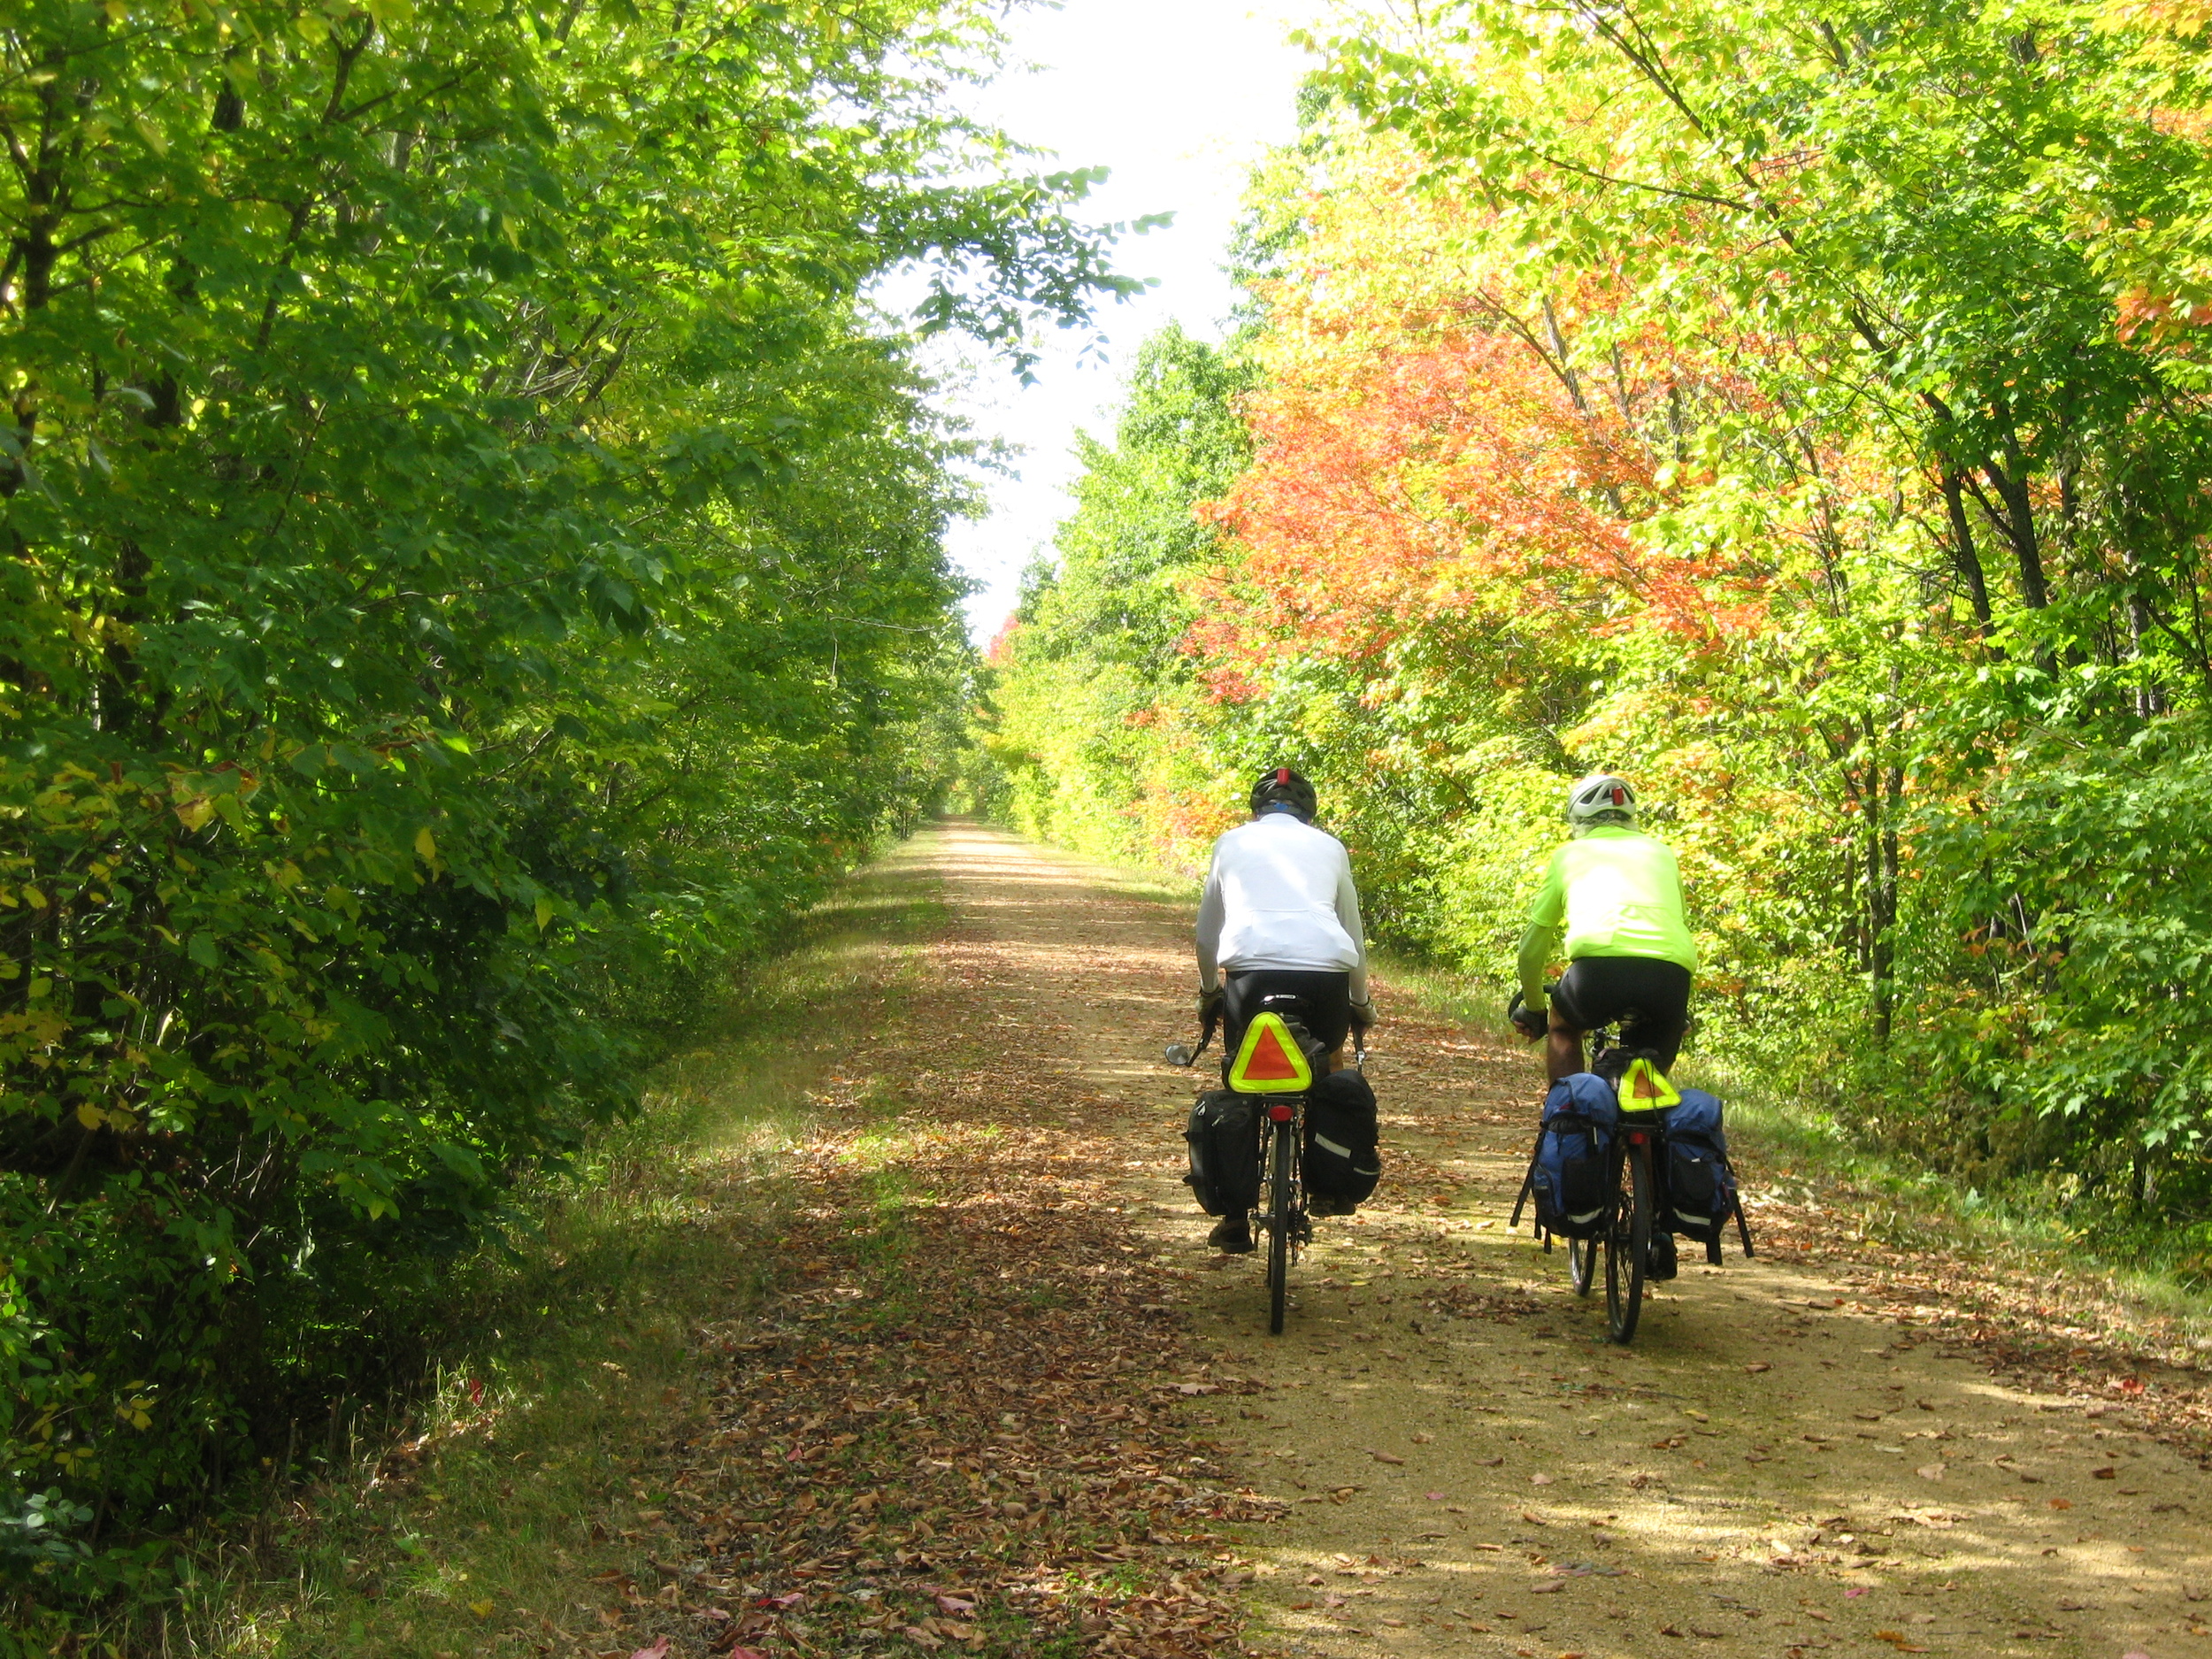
x,y
470,565
1804,413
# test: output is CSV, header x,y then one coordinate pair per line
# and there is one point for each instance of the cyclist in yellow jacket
x,y
1617,895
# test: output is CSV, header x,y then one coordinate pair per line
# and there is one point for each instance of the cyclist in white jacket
x,y
1280,917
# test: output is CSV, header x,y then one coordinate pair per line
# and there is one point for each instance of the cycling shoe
x,y
1660,1264
1232,1236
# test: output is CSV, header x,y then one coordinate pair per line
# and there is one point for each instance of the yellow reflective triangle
x,y
1644,1087
1269,1060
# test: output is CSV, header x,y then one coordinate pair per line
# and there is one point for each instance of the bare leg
x,y
1562,1049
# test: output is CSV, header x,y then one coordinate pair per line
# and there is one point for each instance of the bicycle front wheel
x,y
1628,1240
1278,1225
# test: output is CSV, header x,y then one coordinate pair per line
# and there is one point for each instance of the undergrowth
x,y
517,1469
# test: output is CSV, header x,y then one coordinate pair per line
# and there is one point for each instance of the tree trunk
x,y
1963,551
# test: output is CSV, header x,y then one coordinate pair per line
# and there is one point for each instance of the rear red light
x,y
1280,1114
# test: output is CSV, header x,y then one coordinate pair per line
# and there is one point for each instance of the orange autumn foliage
x,y
1422,458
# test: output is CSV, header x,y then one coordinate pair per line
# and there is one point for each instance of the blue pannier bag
x,y
1700,1188
1570,1174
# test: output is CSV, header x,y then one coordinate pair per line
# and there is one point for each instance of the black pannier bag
x,y
1342,1159
1225,1153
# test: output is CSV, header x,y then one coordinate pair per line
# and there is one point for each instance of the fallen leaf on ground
x,y
658,1650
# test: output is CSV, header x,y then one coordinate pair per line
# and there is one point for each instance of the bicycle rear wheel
x,y
1278,1225
1582,1263
1628,1240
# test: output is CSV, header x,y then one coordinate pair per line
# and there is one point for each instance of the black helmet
x,y
1279,786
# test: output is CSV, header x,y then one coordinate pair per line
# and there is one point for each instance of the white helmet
x,y
1601,798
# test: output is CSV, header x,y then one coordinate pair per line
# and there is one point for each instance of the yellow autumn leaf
x,y
426,844
545,913
482,1609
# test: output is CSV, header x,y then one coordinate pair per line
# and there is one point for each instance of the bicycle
x,y
1634,1189
1283,1213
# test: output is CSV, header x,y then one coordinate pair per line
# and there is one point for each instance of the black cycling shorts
x,y
1648,998
1322,1002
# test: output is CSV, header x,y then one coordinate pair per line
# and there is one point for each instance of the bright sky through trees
x,y
1178,98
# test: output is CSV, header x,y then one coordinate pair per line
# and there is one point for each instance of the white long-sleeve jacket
x,y
1280,896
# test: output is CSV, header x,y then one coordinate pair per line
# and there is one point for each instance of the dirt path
x,y
1465,1465
1001,1399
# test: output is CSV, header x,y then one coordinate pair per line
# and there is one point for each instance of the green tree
x,y
1097,639
470,562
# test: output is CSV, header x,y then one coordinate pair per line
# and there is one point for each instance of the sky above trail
x,y
1179,98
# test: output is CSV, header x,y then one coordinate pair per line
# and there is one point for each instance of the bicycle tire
x,y
1629,1235
1582,1263
1279,1225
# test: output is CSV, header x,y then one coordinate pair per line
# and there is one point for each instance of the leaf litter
x,y
953,1431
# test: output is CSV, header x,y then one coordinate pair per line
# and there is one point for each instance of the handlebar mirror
x,y
1181,1053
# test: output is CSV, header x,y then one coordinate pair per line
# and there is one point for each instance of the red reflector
x,y
1268,1062
1280,1114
